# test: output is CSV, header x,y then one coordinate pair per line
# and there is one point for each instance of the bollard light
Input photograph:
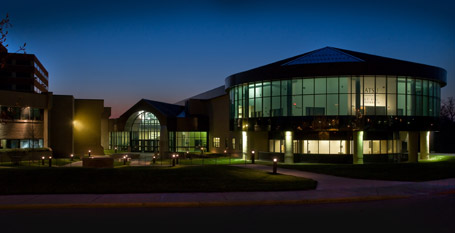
x,y
173,159
153,159
71,157
124,160
115,149
252,157
274,165
42,160
177,158
89,152
50,161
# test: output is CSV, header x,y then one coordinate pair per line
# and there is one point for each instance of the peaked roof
x,y
324,55
169,110
162,109
330,61
219,91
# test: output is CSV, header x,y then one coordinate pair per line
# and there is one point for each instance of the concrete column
x,y
424,145
358,147
413,143
288,152
244,144
46,128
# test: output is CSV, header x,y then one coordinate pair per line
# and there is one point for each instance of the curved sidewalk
x,y
330,189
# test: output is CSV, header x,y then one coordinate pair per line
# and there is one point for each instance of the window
x,y
216,142
308,86
276,146
187,141
320,86
332,85
233,143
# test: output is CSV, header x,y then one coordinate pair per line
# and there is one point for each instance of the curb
x,y
199,204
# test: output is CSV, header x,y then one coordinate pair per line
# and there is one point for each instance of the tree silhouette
x,y
443,140
448,109
5,24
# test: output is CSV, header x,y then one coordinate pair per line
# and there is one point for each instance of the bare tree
x,y
448,109
5,24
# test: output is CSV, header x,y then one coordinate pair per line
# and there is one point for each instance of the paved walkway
x,y
329,189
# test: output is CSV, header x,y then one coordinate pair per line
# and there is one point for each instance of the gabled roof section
x,y
324,55
168,110
216,92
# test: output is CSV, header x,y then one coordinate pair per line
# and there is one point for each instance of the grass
x,y
438,167
56,162
207,161
150,179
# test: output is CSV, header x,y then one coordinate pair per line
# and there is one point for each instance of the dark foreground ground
x,y
428,213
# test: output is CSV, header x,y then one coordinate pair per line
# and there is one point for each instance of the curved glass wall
x,y
142,134
337,96
145,132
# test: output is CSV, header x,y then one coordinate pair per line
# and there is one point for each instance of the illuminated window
x,y
216,142
233,143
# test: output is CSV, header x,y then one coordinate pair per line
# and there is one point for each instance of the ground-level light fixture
x,y
42,160
275,161
89,151
71,157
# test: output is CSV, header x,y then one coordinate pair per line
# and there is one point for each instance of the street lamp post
x,y
202,154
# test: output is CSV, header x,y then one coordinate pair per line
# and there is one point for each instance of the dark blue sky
x,y
122,51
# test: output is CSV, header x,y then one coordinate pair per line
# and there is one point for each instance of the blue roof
x,y
324,55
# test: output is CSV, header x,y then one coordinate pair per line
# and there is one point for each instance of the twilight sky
x,y
123,51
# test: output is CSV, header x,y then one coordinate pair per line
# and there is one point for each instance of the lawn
x,y
150,179
438,167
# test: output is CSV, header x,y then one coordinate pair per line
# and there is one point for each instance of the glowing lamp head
x,y
42,157
274,160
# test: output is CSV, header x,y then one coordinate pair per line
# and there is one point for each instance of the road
x,y
426,213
